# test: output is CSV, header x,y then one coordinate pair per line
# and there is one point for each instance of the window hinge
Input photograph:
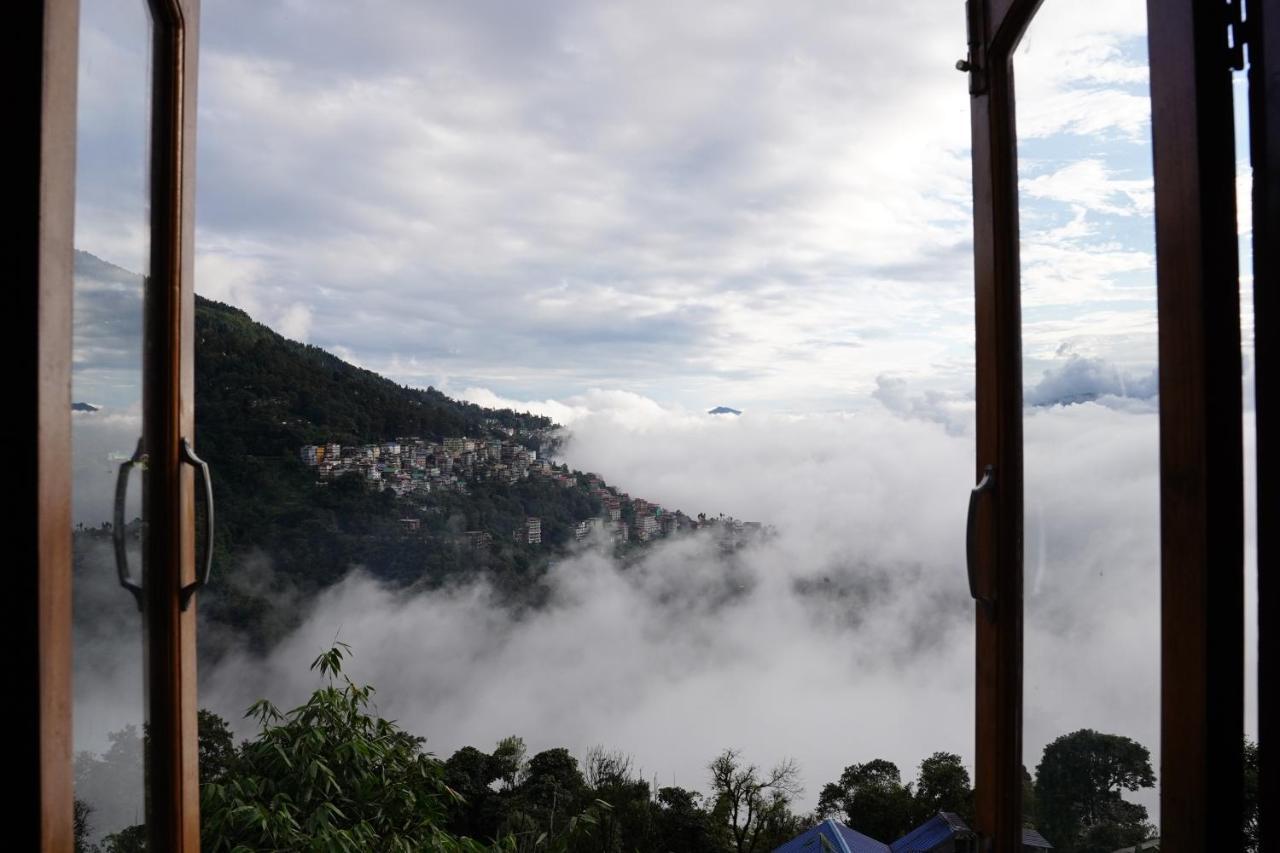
x,y
975,64
1237,34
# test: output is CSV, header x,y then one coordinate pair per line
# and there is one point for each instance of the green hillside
x,y
283,534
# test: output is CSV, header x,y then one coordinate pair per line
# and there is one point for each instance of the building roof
x,y
947,825
1031,838
832,836
1149,844
928,835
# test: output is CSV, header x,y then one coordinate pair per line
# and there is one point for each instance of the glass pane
x,y
675,301
1244,218
1091,424
111,265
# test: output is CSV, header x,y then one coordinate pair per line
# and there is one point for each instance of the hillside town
x,y
414,467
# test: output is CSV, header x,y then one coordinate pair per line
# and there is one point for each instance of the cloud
x,y
1090,185
532,203
954,411
1082,380
848,636
295,323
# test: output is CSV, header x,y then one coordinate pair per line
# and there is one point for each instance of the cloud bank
x,y
846,637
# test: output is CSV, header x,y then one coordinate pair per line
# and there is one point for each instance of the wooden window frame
x,y
1201,438
169,379
1201,449
1264,146
39,326
995,27
1201,430
41,165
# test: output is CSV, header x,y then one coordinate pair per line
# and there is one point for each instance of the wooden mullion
x,y
1201,469
998,361
37,322
173,780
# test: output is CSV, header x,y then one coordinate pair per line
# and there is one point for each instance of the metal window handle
x,y
986,484
189,456
117,526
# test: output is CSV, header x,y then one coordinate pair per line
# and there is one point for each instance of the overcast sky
x,y
757,204
623,213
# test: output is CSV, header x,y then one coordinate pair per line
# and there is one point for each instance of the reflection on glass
x,y
112,225
1091,425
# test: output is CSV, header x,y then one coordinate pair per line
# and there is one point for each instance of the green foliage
x,y
217,750
80,825
132,839
872,799
1252,838
1078,792
329,776
281,534
682,825
942,785
751,807
1030,809
269,395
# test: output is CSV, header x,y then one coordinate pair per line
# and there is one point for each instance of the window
x,y
1201,442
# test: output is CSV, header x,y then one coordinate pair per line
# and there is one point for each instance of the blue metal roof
x,y
941,827
1033,839
832,836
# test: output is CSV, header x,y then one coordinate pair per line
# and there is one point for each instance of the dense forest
x,y
331,775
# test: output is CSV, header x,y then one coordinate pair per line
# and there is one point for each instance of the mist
x,y
846,636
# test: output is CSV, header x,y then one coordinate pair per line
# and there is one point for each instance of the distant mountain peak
x,y
723,410
84,407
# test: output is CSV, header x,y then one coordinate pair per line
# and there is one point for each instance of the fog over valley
x,y
845,637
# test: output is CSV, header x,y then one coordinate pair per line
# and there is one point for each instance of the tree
x,y
132,839
553,788
111,785
943,786
1078,791
478,810
1030,811
510,753
329,776
628,824
1251,836
81,826
872,799
752,806
682,824
217,749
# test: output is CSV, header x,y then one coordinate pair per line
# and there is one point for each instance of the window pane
x,y
674,305
111,264
1091,424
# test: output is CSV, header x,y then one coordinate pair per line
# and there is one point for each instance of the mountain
x,y
285,533
723,410
270,395
83,407
453,505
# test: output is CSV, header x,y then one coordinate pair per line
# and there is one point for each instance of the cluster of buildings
x,y
627,518
409,466
412,466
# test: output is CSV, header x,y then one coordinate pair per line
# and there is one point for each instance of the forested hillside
x,y
284,534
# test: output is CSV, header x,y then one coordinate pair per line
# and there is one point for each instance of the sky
x,y
621,214
719,203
